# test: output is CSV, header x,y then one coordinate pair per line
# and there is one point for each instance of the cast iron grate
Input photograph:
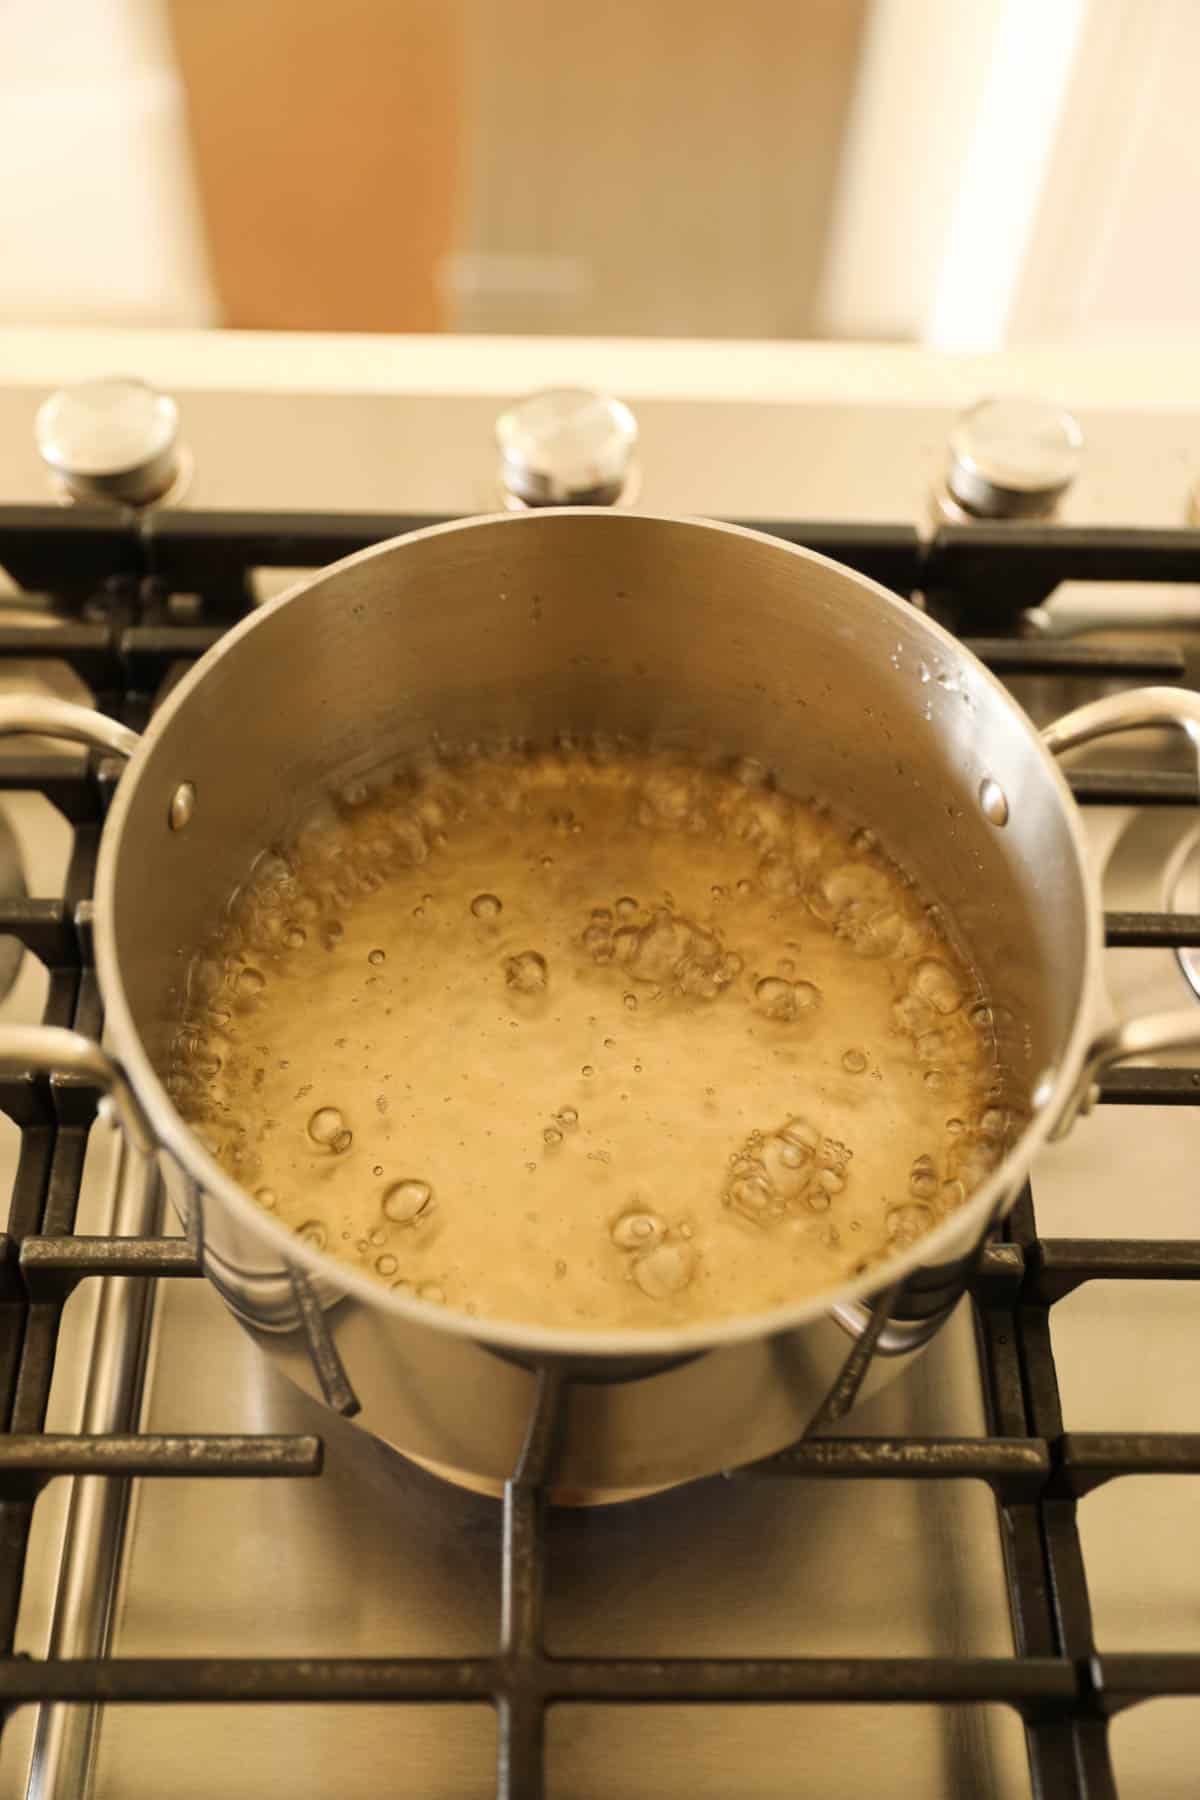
x,y
110,588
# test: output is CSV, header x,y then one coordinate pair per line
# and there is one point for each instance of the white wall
x,y
98,220
954,120
1115,252
1021,171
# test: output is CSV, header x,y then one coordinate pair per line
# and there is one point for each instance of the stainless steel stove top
x,y
375,1558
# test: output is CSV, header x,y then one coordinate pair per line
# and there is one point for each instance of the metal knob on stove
x,y
566,447
1011,458
113,441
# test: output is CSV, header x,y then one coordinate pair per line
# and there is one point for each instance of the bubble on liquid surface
x,y
794,1169
800,1133
870,931
267,1198
567,1117
854,1062
972,1158
674,953
777,998
598,941
934,982
407,1201
923,1178
637,1230
552,1137
912,1015
386,1265
665,1271
205,979
326,1125
487,906
376,957
526,973
845,886
313,1233
905,1224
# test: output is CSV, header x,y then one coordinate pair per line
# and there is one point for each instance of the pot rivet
x,y
183,805
993,801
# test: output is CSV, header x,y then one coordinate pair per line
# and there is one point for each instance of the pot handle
x,y
49,1049
43,716
52,1050
1132,711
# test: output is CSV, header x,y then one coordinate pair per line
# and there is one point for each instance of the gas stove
x,y
984,1582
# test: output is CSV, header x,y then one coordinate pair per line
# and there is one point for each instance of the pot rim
x,y
176,1138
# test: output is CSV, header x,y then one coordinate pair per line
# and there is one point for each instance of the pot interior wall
x,y
663,630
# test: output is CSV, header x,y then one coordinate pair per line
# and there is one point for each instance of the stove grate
x,y
105,588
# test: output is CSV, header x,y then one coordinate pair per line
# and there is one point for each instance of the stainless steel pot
x,y
578,620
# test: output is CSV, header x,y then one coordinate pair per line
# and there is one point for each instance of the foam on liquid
x,y
591,1038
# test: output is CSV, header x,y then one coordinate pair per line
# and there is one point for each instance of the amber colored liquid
x,y
592,1040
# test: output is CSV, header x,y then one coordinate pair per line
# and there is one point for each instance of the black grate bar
x,y
1133,787
29,1461
44,929
1063,1264
116,1680
995,571
1042,656
1151,1087
77,547
1034,1686
1123,1680
998,570
192,552
61,776
87,649
1151,930
52,1266
1086,1460
1014,1468
520,1738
